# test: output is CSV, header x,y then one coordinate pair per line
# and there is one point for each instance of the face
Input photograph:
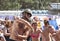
x,y
36,18
34,25
28,16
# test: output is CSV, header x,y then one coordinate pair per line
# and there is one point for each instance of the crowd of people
x,y
26,29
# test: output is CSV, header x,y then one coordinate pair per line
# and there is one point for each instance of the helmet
x,y
28,11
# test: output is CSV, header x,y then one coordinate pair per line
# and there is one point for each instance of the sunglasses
x,y
35,24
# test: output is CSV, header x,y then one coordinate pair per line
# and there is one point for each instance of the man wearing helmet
x,y
18,34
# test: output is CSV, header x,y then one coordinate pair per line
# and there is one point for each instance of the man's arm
x,y
24,36
25,22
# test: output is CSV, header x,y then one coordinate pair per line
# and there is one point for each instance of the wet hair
x,y
46,22
21,25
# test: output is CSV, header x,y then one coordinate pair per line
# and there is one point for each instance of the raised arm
x,y
25,22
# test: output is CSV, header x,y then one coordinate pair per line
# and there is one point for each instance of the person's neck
x,y
34,29
46,25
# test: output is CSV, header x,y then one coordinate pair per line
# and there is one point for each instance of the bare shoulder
x,y
51,27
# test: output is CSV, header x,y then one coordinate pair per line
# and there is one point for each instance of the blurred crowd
x,y
27,29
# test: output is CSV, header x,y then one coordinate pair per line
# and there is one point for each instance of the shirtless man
x,y
26,15
46,31
25,19
56,35
20,30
